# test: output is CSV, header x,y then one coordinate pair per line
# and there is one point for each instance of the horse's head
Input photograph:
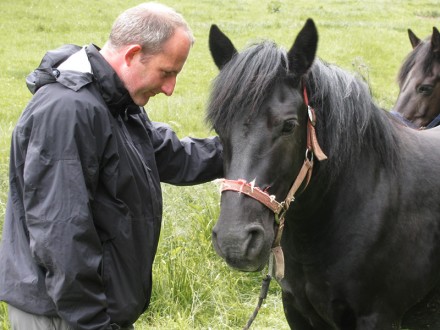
x,y
419,81
258,111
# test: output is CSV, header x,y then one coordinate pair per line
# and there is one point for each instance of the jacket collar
x,y
112,88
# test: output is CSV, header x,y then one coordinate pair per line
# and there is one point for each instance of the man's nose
x,y
168,86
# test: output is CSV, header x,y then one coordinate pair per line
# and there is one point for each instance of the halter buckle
x,y
309,155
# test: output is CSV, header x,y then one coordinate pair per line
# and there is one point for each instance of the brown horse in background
x,y
418,103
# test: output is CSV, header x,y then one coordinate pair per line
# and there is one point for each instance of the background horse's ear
x,y
303,51
222,49
435,41
413,39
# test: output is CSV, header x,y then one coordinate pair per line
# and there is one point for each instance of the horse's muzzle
x,y
245,249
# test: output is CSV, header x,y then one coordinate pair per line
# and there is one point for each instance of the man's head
x,y
147,47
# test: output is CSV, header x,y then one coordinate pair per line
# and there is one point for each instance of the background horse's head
x,y
257,109
419,82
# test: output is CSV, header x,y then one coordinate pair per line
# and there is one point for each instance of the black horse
x,y
361,240
418,103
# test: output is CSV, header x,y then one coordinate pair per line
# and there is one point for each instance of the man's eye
x,y
167,73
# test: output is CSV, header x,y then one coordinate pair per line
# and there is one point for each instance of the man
x,y
84,209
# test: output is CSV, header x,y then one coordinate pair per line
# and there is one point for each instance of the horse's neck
x,y
326,211
306,225
313,223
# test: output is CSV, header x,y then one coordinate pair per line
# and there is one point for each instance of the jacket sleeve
x,y
185,161
60,172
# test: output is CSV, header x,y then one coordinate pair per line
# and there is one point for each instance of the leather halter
x,y
280,208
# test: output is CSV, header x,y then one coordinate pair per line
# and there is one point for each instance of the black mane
x,y
348,120
245,83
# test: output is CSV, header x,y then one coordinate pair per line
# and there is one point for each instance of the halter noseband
x,y
280,208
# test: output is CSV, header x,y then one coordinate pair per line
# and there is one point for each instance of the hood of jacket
x,y
74,67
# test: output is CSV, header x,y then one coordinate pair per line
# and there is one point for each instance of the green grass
x,y
193,288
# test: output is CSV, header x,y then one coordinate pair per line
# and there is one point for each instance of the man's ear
x,y
130,52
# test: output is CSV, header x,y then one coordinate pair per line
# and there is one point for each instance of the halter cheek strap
x,y
279,209
312,141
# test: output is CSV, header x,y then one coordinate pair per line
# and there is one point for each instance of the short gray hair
x,y
149,24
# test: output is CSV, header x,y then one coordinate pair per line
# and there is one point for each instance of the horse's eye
x,y
425,89
288,126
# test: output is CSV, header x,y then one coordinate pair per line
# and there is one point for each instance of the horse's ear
x,y
413,39
222,49
435,41
303,51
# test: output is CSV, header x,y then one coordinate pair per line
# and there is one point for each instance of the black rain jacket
x,y
84,208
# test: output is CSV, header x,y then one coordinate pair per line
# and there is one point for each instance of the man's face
x,y
145,77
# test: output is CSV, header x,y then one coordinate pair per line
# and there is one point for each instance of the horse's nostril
x,y
242,247
255,241
215,242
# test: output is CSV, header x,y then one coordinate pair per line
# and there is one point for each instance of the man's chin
x,y
141,101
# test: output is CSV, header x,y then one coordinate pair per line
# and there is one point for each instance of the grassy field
x,y
193,288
